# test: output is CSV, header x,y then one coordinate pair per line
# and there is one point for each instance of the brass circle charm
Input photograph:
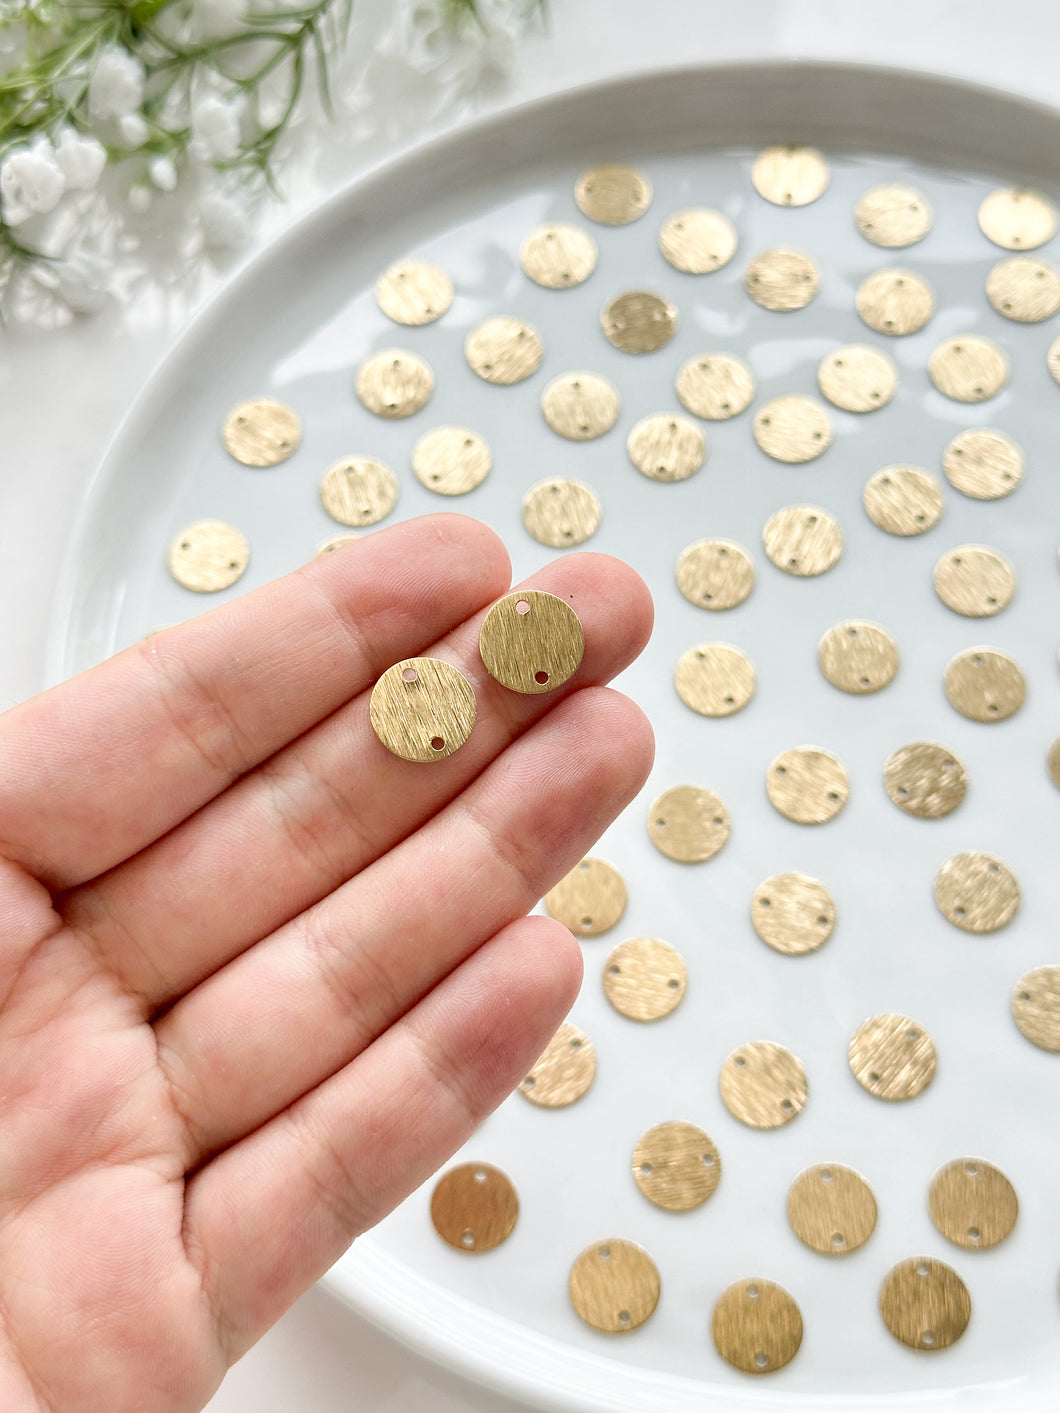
x,y
925,780
666,447
614,1286
261,432
677,1166
531,642
763,1085
474,1207
756,1326
1036,1007
698,241
895,302
858,657
1052,360
589,900
715,386
613,194
972,1203
857,378
503,351
333,543
802,540
580,406
688,824
903,500
414,293
645,979
563,1071
561,513
925,1304
715,679
558,256
1024,289
422,709
638,322
893,216
790,176
1053,761
715,574
968,368
1017,219
983,464
984,685
208,555
793,913
807,785
974,581
831,1209
358,491
793,429
976,892
782,280
892,1057
394,383
451,461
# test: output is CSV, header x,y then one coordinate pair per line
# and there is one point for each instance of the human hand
x,y
259,977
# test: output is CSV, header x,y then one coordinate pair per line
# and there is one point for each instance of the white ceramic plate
x,y
297,324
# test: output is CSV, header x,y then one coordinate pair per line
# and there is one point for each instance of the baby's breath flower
x,y
31,182
116,87
81,158
163,173
215,125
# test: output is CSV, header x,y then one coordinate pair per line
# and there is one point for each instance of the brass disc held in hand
x,y
715,386
645,978
208,555
968,368
925,780
563,1071
422,709
763,1085
790,176
589,900
638,322
895,302
451,461
892,1057
1024,289
613,194
715,574
414,293
531,642
793,429
857,378
984,685
394,383
782,280
903,500
558,256
893,216
676,1166
858,657
262,432
972,1203
983,464
561,513
474,1207
580,406
666,447
974,581
925,1304
1017,218
802,540
503,351
335,542
793,913
976,892
688,824
698,241
614,1286
756,1326
358,491
807,785
1036,1007
831,1209
715,679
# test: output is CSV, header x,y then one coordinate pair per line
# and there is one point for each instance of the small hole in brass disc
x,y
531,641
558,256
903,500
892,1057
615,1292
858,657
1024,289
638,322
968,368
414,293
563,1071
676,1165
893,216
589,900
925,1304
715,574
424,717
831,1209
974,581
1017,218
714,679
698,241
925,780
984,685
972,1203
807,785
782,280
983,464
976,892
666,447
790,176
802,540
451,461
613,194
793,913
394,383
895,302
561,513
580,406
857,378
1036,1007
688,824
763,1085
756,1326
261,432
208,555
503,350
645,978
474,1207
358,491
793,429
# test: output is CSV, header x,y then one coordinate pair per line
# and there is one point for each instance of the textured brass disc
x,y
563,1071
782,280
558,256
793,913
983,464
925,1304
793,429
1052,360
638,322
1054,762
1036,1007
503,350
984,685
394,383
261,432
580,406
972,1203
698,241
892,1057
645,979
715,574
613,195
857,378
676,1166
974,581
763,1085
802,540
451,461
831,1208
1024,289
858,657
790,176
531,642
976,892
561,513
474,1207
666,447
756,1326
414,293
335,542
807,785
715,679
688,824
715,386
893,216
422,709
614,1286
358,491
1017,219
925,780
968,368
208,555
895,302
589,900
903,500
